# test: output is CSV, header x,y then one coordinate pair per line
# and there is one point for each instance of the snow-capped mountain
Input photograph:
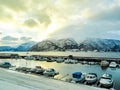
x,y
46,45
67,44
25,46
91,44
58,45
106,45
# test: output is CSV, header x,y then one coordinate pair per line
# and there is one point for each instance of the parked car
x,y
50,72
5,65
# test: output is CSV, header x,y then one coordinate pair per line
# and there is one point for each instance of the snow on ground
x,y
9,86
10,80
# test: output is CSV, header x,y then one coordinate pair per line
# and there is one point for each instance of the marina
x,y
66,70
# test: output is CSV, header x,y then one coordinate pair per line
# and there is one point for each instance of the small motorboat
x,y
5,65
50,72
70,61
67,61
113,65
91,78
106,80
59,60
104,63
84,62
92,63
78,77
29,58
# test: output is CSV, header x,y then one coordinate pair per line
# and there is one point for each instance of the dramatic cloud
x,y
43,19
30,23
13,41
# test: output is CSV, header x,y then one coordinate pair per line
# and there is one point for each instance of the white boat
x,y
92,63
74,62
50,72
78,77
104,63
67,61
84,62
91,78
29,58
59,60
106,80
71,61
113,65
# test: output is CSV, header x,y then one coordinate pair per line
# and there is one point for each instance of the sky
x,y
37,20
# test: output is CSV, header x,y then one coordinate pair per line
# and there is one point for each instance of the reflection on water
x,y
65,69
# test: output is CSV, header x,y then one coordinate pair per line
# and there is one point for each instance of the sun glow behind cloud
x,y
53,27
43,19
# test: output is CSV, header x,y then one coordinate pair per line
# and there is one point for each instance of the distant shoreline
x,y
95,56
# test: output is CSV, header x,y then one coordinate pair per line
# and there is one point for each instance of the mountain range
x,y
91,44
22,47
68,44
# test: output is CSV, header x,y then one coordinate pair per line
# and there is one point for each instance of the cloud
x,y
42,19
30,23
4,15
108,15
13,41
15,5
9,38
25,38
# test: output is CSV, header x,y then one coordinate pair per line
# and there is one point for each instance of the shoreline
x,y
80,56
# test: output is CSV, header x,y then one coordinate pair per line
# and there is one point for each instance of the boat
x,y
67,61
29,58
91,78
59,60
50,72
73,61
92,63
84,62
70,61
5,65
78,77
113,65
104,63
106,80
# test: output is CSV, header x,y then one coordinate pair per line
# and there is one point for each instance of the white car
x,y
50,72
